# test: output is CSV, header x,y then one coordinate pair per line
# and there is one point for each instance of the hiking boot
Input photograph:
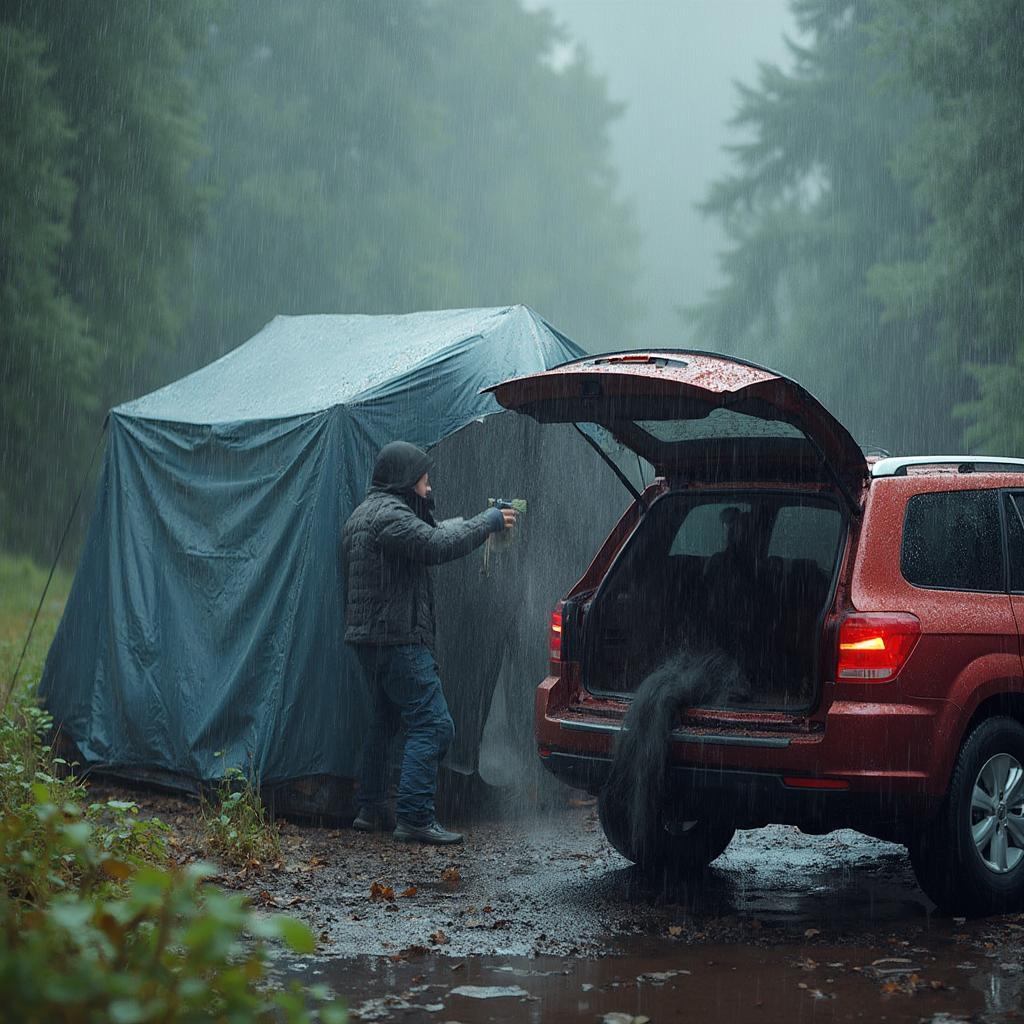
x,y
433,834
374,819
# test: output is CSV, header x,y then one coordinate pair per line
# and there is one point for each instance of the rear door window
x,y
1015,537
806,531
952,540
704,530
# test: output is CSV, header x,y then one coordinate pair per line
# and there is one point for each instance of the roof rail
x,y
964,464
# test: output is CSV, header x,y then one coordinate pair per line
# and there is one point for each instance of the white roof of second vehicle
x,y
978,464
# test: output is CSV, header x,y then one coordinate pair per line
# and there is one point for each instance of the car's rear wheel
x,y
970,860
675,845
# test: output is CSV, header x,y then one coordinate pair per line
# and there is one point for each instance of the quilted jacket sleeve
x,y
406,534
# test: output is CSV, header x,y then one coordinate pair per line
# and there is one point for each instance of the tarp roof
x,y
303,364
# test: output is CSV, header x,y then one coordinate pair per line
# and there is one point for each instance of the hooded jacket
x,y
388,544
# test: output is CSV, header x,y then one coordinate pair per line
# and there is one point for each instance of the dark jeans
x,y
404,689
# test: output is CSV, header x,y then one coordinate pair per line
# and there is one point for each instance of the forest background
x,y
173,174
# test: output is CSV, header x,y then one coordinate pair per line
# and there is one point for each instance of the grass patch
x,y
21,584
236,824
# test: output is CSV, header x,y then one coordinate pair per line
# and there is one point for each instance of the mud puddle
x,y
660,983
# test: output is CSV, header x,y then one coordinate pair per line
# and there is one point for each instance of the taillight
x,y
874,646
555,644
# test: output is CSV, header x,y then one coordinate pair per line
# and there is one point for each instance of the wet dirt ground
x,y
535,918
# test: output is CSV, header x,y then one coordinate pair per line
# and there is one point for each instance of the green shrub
x,y
236,824
87,935
169,950
41,799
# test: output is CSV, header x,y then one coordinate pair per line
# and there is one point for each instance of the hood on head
x,y
399,465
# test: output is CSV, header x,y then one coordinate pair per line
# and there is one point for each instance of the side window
x,y
806,531
1015,535
952,541
703,531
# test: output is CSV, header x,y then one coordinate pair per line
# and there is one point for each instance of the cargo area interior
x,y
745,572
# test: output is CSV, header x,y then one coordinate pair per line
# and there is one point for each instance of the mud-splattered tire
x,y
970,859
679,848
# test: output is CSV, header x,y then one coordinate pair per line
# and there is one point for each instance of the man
x,y
387,545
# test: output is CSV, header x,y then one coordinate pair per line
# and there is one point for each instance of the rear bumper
x,y
755,799
892,761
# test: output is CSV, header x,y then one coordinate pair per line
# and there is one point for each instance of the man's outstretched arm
x,y
406,534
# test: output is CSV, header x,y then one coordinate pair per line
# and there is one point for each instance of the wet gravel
x,y
815,924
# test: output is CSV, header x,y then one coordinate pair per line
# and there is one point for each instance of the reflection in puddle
x,y
657,979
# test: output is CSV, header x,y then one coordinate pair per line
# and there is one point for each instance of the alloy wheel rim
x,y
997,813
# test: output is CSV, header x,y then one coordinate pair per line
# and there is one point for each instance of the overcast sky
x,y
674,63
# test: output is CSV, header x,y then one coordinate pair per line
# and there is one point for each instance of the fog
x,y
674,64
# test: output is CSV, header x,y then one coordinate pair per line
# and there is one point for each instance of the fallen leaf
x,y
380,891
317,862
451,876
439,938
675,930
411,891
116,869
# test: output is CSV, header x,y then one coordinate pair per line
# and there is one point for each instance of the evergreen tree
x,y
965,162
46,357
120,74
101,211
526,172
818,199
405,155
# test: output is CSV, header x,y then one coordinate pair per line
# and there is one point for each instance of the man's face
x,y
422,487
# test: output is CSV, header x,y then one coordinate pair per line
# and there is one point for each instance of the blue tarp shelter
x,y
204,626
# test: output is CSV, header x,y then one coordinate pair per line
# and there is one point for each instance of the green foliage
x,y
97,140
236,823
96,926
964,162
52,839
46,353
405,155
815,203
21,585
168,950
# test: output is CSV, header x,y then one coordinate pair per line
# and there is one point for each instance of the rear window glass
x,y
718,423
806,531
951,541
1015,535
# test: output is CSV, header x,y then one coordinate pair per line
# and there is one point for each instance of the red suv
x,y
875,606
